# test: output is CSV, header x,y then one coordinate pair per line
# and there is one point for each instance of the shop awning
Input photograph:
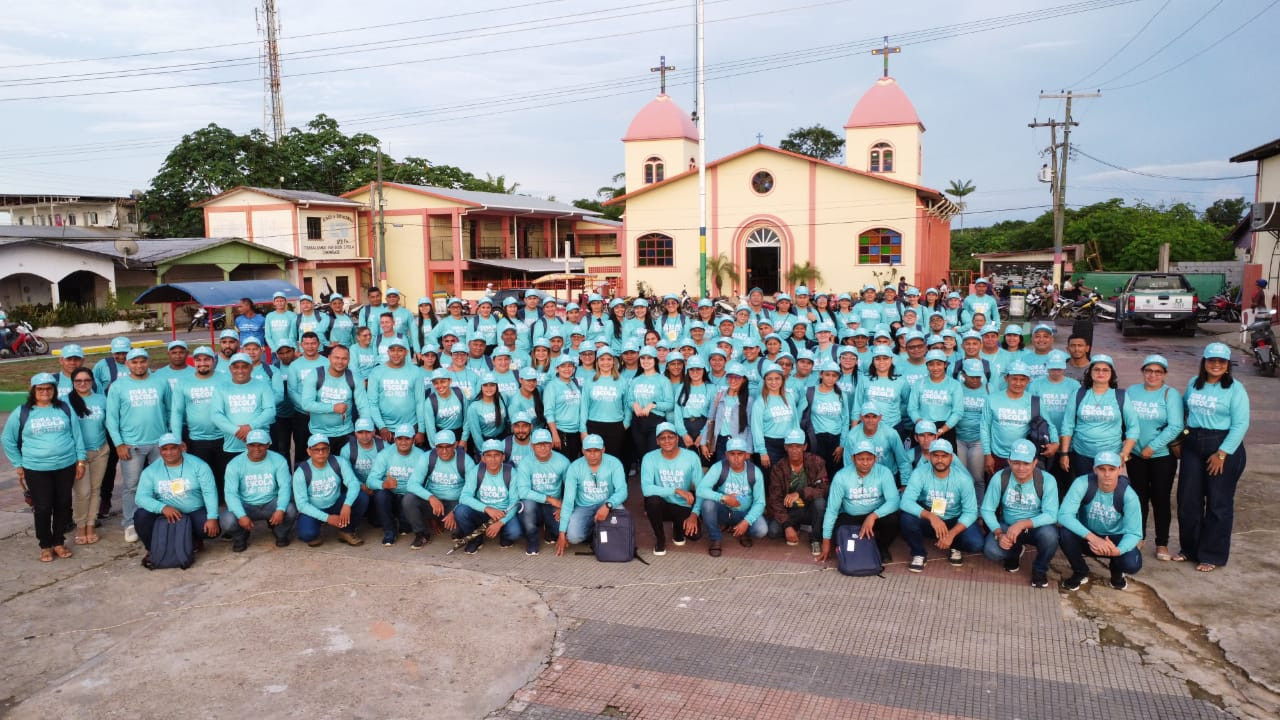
x,y
218,294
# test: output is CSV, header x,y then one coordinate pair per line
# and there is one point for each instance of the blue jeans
x,y
1044,539
309,527
581,521
469,519
140,456
531,513
715,514
914,529
1206,503
1074,548
259,513
390,510
144,521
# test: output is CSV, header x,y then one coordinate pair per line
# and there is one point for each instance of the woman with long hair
x,y
649,399
43,443
529,398
640,322
693,396
422,329
562,401
671,323
604,407
1152,468
486,416
707,312
887,389
674,370
1213,460
364,356
774,414
540,359
730,414
618,321
1098,419
1012,344
90,409
826,417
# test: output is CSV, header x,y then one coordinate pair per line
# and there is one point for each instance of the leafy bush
x,y
67,314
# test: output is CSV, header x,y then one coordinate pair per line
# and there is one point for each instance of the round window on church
x,y
762,182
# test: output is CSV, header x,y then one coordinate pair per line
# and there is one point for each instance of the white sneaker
x,y
130,535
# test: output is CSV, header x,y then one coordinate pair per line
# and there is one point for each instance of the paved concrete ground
x,y
760,632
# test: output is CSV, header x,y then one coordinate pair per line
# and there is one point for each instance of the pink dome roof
x,y
661,119
884,104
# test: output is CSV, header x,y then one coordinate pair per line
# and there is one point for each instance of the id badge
x,y
939,506
178,487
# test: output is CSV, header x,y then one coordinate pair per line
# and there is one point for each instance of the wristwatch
x,y
1222,455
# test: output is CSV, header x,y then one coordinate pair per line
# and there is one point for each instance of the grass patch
x,y
15,375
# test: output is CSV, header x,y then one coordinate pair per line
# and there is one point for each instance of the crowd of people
x,y
915,414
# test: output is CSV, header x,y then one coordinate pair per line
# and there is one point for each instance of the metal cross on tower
x,y
886,51
662,68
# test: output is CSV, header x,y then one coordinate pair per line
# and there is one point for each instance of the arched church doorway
x,y
764,260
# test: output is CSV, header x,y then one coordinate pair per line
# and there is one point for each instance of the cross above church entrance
x,y
886,51
663,67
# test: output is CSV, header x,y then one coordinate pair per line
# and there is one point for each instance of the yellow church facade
x,y
769,210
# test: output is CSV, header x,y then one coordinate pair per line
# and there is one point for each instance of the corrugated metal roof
x,y
151,251
62,232
304,196
503,201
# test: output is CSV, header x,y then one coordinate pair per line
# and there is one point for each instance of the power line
x,y
1124,47
971,27
1202,51
1162,48
1157,175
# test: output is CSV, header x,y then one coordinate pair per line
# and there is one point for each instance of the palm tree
x,y
806,274
719,268
499,184
959,189
609,192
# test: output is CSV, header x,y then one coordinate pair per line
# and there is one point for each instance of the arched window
x,y
881,157
880,246
763,237
654,170
655,250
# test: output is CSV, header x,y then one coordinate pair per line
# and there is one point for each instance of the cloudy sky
x,y
93,94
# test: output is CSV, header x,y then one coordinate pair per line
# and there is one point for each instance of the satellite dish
x,y
127,247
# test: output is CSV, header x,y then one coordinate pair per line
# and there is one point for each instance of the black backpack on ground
x,y
171,544
856,556
614,540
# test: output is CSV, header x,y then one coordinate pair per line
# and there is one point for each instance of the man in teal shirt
x,y
669,479
177,484
940,501
864,494
491,496
1101,516
137,415
258,487
437,489
544,473
240,404
732,494
393,471
335,399
1021,508
594,484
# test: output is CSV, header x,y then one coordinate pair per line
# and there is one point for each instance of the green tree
x,y
959,190
806,274
816,141
1225,213
720,268
604,194
204,163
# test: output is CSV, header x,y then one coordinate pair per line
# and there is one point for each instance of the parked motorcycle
x,y
201,319
1220,307
1262,340
1039,304
20,340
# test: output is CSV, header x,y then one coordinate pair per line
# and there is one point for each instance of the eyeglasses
x,y
82,380
1156,370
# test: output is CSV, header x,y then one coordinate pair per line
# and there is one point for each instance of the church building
x,y
769,210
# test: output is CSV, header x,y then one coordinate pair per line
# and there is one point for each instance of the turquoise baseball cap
x,y
1155,360
973,368
206,352
735,445
593,442
168,439
228,334
137,353
941,445
121,344
404,430
171,346
75,351
528,373
926,427
1057,361
258,437
440,374
444,437
1217,351
1018,367
493,446
317,439
794,437
522,417
240,358
864,447
43,378
665,427
1107,458
1023,450
364,425
539,436
695,362
935,356
870,408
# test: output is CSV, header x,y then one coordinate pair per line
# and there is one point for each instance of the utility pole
x,y
702,153
382,227
1059,186
273,70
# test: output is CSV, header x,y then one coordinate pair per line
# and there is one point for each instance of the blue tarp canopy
x,y
218,294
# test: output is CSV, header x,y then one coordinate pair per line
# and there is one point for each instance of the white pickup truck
x,y
1159,300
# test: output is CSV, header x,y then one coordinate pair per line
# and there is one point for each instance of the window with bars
x,y
655,250
880,247
314,231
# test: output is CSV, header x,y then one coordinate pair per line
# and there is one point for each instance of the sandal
x,y
62,551
1180,557
46,555
1162,553
81,540
1206,567
91,538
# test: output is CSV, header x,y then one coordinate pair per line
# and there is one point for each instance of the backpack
x,y
724,475
353,450
114,370
1037,478
1038,431
24,413
1080,395
434,398
351,383
306,471
1117,497
171,544
856,556
614,540
461,459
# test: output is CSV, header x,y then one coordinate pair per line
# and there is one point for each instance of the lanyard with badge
x,y
178,486
939,505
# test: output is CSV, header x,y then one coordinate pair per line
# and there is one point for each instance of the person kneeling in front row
x,y
175,485
327,492
732,494
940,500
863,493
1022,510
593,485
258,487
1101,516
